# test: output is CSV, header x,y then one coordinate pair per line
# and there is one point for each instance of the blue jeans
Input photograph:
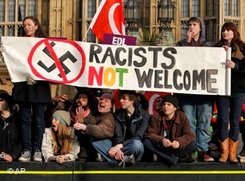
x,y
229,112
199,112
32,131
102,147
134,147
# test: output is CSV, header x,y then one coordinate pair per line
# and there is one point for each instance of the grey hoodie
x,y
202,38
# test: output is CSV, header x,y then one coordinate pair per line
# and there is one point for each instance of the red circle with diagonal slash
x,y
56,60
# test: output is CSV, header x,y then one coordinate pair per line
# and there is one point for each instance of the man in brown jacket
x,y
169,135
105,123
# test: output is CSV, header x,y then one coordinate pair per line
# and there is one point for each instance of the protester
x,y
169,135
59,142
198,108
84,111
131,123
32,97
126,146
230,107
10,147
103,130
84,107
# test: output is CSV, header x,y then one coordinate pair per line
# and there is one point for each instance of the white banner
x,y
192,70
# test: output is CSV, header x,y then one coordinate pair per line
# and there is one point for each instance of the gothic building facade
x,y
166,19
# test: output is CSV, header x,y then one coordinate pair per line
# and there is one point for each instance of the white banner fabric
x,y
192,70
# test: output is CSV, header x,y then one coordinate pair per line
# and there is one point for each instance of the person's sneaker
x,y
207,158
99,158
190,158
154,157
37,157
194,155
204,156
25,156
130,160
127,161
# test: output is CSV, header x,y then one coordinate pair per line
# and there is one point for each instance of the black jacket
x,y
238,72
9,137
37,93
138,126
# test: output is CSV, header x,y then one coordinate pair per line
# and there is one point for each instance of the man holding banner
x,y
198,108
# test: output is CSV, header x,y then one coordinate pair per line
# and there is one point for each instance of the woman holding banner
x,y
230,107
32,97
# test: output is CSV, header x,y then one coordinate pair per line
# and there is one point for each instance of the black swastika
x,y
62,59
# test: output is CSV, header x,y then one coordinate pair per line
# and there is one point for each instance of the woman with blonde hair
x,y
59,143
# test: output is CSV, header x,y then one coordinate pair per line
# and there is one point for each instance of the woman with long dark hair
x,y
32,97
230,107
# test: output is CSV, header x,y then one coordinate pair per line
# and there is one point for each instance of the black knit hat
x,y
6,97
172,99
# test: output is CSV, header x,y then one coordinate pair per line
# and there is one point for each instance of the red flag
x,y
109,18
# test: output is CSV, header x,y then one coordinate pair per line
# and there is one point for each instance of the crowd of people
x,y
33,127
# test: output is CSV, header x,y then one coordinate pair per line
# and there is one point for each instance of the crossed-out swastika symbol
x,y
57,66
64,57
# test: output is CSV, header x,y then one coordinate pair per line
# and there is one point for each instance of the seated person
x,y
105,123
83,111
84,107
126,146
61,102
59,142
169,135
10,147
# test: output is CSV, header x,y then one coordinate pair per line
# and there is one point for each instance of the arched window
x,y
227,7
22,6
32,7
185,12
196,8
235,8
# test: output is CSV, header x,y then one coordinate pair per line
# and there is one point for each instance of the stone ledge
x,y
103,171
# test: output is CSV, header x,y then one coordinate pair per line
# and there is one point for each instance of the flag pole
x,y
86,34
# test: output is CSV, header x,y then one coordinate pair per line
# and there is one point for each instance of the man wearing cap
x,y
169,135
59,142
10,147
103,130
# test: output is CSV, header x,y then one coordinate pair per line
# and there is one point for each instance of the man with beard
x,y
84,111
